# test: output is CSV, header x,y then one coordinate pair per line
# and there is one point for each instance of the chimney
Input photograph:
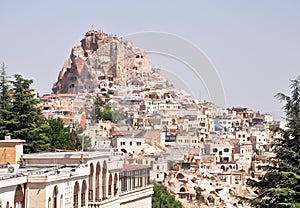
x,y
7,137
11,150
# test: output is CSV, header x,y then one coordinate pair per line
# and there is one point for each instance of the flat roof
x,y
12,141
72,154
128,167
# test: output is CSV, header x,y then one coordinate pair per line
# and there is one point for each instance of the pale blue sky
x,y
255,45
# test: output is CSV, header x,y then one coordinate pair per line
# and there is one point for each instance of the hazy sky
x,y
254,45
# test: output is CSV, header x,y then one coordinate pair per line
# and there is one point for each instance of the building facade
x,y
74,180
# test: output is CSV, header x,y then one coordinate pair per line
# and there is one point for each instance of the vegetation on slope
x,y
163,199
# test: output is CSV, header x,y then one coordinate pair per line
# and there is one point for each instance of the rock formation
x,y
100,62
105,64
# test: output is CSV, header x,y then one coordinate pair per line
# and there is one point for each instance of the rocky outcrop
x,y
100,62
105,64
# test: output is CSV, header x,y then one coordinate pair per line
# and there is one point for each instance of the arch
x,y
55,197
182,189
116,182
223,167
91,181
211,199
83,193
104,172
179,176
7,204
230,166
109,185
75,195
19,197
97,185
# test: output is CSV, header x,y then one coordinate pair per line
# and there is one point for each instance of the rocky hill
x,y
107,64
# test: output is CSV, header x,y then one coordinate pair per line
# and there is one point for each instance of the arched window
x,y
91,181
116,182
75,195
104,172
98,168
7,204
83,193
55,198
182,189
109,184
19,197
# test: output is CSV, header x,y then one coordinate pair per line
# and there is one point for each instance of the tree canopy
x,y
101,110
163,199
280,186
21,119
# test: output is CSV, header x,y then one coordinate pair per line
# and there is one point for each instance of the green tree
x,y
61,137
100,111
26,119
74,140
20,118
95,112
5,104
163,199
106,114
280,186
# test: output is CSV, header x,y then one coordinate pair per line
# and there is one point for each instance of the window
x,y
226,150
157,175
55,197
215,150
83,193
75,195
130,143
18,200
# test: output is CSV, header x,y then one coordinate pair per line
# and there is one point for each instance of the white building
x,y
72,180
